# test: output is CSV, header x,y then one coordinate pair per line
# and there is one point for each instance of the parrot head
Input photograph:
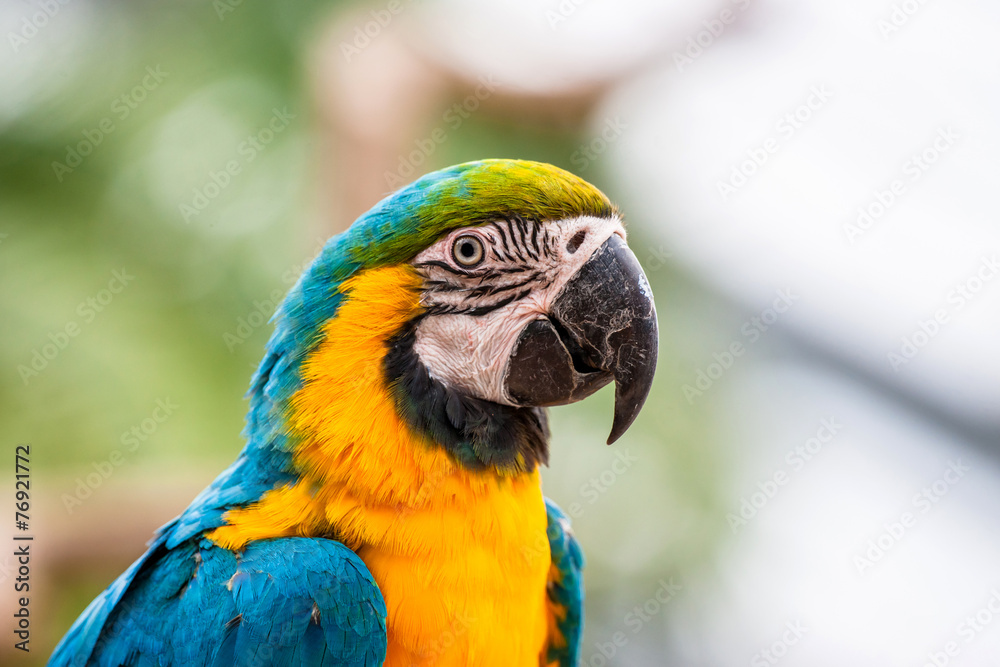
x,y
522,294
389,483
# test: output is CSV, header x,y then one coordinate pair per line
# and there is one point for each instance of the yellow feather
x,y
455,552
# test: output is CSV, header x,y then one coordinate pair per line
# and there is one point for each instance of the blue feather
x,y
174,605
292,601
567,557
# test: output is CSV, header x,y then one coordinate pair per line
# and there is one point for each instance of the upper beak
x,y
602,326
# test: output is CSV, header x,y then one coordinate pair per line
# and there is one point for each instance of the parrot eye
x,y
468,251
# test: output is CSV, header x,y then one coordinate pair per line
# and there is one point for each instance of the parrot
x,y
386,508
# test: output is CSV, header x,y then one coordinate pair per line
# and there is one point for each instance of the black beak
x,y
602,327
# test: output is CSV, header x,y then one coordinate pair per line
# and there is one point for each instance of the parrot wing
x,y
565,591
79,642
295,602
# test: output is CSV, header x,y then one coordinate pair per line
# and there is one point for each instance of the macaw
x,y
387,507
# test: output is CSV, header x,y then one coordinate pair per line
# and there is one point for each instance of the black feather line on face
x,y
479,434
515,243
527,241
450,269
473,311
534,240
518,237
503,237
489,290
479,311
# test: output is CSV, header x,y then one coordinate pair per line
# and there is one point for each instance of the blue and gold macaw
x,y
387,507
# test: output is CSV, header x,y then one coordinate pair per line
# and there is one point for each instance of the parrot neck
x,y
448,544
356,436
479,434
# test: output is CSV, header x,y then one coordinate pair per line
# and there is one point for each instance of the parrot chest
x,y
460,556
465,584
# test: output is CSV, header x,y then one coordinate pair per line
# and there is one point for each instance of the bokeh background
x,y
811,187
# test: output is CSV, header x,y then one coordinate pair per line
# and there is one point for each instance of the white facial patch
x,y
476,313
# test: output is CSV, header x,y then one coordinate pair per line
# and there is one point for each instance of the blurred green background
x,y
181,86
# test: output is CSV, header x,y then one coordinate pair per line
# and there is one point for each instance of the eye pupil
x,y
468,251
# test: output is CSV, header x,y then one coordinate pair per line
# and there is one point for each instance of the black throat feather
x,y
479,434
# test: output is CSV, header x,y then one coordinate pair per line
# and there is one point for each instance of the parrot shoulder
x,y
290,601
303,601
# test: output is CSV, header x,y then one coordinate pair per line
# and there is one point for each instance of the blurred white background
x,y
811,187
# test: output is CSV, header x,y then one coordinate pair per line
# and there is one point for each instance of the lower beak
x,y
601,327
